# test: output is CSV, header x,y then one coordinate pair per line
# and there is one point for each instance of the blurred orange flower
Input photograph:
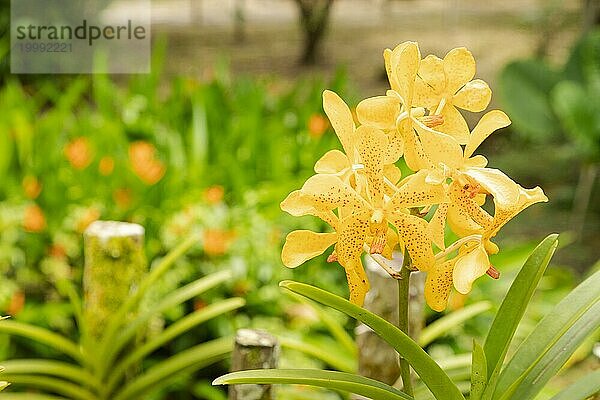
x,y
122,197
57,251
317,125
34,219
144,164
90,215
31,186
215,242
214,194
79,153
106,166
17,302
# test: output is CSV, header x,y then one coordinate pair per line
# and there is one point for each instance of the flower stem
x,y
403,299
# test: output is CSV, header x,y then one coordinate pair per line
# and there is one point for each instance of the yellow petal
x,y
380,112
303,245
332,162
395,147
454,124
439,147
391,241
430,82
416,192
405,59
387,58
474,96
372,147
415,236
392,173
504,190
461,223
468,268
349,247
437,225
414,155
329,192
459,66
504,213
438,285
476,161
358,283
299,204
341,119
489,123
466,209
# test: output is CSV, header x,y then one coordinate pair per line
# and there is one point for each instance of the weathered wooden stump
x,y
254,349
115,263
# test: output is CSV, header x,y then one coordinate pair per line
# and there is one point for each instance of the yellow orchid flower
x,y
443,85
364,215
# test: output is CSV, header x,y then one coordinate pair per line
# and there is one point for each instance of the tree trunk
x,y
314,19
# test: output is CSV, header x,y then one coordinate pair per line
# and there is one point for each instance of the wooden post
x,y
115,263
254,349
377,359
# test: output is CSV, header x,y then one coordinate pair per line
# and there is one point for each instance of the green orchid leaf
x,y
430,373
63,388
116,323
334,357
513,307
327,379
582,388
53,368
451,320
44,336
553,341
173,331
187,361
177,297
29,396
478,372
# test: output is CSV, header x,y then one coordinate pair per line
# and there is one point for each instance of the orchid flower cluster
x,y
371,208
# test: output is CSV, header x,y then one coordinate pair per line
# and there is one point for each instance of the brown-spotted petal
x,y
414,234
454,124
438,285
459,66
341,119
302,245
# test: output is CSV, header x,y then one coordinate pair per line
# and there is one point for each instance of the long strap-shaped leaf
x,y
191,359
51,384
552,342
327,379
74,373
170,333
431,374
513,307
582,388
177,297
28,396
44,336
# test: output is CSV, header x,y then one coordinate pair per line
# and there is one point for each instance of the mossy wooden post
x,y
376,358
254,349
114,265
